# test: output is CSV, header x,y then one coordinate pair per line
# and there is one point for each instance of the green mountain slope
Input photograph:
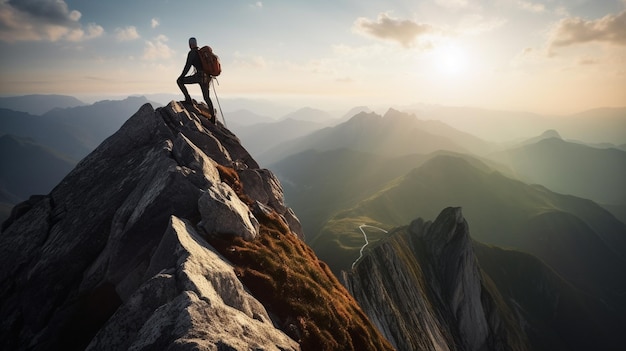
x,y
571,168
578,238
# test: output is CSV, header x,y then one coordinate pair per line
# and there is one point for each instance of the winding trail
x,y
366,241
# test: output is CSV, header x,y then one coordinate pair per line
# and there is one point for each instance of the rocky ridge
x,y
119,255
429,286
424,290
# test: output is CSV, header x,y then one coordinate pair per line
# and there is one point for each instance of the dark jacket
x,y
193,59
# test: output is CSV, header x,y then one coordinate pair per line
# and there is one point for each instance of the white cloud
x,y
257,5
36,20
575,30
126,34
157,49
91,31
404,32
154,22
531,6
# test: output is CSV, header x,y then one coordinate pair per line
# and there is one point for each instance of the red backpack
x,y
210,62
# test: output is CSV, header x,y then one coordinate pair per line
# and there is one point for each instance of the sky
x,y
543,56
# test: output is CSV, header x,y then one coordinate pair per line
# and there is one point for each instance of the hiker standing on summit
x,y
199,77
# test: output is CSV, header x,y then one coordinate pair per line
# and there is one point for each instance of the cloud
x,y
257,5
575,30
91,31
154,23
256,62
126,34
404,32
35,20
453,4
531,6
157,49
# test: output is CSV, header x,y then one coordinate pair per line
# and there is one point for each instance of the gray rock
x,y
423,289
112,258
195,302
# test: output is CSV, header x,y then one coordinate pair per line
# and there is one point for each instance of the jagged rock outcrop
x,y
116,256
424,290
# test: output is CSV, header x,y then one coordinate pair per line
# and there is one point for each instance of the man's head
x,y
193,43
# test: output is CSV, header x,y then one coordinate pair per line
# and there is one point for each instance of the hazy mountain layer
x,y
602,125
259,138
38,104
27,168
394,134
571,168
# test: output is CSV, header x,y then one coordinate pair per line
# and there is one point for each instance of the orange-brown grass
x,y
284,273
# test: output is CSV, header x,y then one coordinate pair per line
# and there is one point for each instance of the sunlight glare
x,y
451,60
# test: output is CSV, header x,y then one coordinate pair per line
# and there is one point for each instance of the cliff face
x,y
122,253
428,286
424,289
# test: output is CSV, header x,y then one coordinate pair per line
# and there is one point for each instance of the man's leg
x,y
204,86
181,81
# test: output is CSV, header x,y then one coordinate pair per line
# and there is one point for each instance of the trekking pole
x,y
218,101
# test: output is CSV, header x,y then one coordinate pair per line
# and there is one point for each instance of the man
x,y
199,77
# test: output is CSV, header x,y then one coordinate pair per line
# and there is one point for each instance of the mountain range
x,y
170,233
395,133
38,151
39,104
571,168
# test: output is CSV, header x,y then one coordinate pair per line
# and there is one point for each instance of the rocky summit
x,y
169,236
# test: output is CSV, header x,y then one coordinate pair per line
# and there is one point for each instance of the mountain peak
x,y
129,251
399,116
550,133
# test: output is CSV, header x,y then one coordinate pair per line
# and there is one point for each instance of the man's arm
x,y
187,65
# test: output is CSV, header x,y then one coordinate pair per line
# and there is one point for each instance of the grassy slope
x,y
284,273
500,211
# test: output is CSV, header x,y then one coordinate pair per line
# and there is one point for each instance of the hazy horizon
x,y
548,57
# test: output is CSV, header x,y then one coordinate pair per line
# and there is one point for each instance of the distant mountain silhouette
x,y
548,134
38,104
261,137
93,123
245,118
571,168
353,112
594,126
72,131
27,168
310,115
48,132
394,134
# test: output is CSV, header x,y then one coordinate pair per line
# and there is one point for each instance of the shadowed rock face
x,y
115,256
423,288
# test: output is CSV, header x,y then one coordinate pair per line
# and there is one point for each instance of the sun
x,y
451,60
